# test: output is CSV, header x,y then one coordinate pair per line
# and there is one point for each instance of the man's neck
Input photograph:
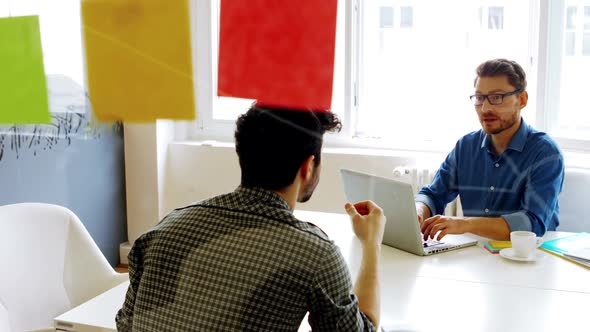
x,y
501,140
289,195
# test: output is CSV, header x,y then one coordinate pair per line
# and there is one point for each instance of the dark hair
x,y
273,143
500,67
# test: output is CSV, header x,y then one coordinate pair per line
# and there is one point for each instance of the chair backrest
x,y
4,322
50,264
574,213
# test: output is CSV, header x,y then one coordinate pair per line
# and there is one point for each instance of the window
x,y
491,18
586,42
567,87
570,30
406,17
386,17
496,18
61,34
404,69
394,20
61,41
420,78
577,30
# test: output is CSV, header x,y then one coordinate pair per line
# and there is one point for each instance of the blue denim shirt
x,y
521,185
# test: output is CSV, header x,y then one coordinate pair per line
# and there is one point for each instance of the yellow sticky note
x,y
500,244
138,58
23,87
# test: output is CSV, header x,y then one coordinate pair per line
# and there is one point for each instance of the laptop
x,y
396,198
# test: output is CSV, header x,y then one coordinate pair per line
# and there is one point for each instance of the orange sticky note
x,y
278,52
138,57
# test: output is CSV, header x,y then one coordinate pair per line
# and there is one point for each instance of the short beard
x,y
309,189
504,125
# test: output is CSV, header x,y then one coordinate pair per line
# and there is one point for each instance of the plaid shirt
x,y
238,262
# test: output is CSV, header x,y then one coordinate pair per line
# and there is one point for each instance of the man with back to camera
x,y
241,261
508,174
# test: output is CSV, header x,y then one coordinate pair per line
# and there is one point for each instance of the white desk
x,y
470,289
96,315
461,290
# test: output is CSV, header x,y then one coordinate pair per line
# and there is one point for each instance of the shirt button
x,y
497,165
492,188
487,210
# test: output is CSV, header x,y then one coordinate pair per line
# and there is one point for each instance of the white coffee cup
x,y
524,243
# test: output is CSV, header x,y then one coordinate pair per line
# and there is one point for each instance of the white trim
x,y
554,52
203,18
538,57
351,67
354,37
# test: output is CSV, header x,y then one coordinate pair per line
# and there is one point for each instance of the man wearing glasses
x,y
508,174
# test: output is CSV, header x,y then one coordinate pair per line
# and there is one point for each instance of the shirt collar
x,y
518,141
264,196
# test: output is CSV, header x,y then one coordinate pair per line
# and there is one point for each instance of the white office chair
x,y
49,264
574,213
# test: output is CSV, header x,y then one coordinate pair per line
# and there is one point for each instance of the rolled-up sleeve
x,y
540,201
518,221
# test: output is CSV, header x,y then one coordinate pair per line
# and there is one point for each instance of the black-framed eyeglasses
x,y
493,99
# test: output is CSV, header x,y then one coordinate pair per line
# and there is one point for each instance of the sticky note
x,y
500,244
23,87
491,249
138,59
280,53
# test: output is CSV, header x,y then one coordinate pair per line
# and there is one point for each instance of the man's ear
x,y
308,167
523,98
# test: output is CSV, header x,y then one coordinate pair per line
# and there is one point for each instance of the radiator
x,y
419,177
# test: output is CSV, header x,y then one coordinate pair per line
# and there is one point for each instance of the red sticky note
x,y
280,53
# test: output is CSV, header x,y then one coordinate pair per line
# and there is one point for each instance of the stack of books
x,y
495,246
574,248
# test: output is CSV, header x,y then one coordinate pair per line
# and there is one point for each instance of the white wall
x,y
141,179
196,171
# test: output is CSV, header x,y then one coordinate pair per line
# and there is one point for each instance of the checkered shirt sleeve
x,y
333,306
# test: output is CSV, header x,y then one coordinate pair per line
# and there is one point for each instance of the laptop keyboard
x,y
430,243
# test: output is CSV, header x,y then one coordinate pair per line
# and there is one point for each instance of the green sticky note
x,y
23,89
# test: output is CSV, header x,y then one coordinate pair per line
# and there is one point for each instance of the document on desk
x,y
583,253
574,248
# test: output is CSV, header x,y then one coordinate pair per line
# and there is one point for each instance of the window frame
x,y
546,53
551,51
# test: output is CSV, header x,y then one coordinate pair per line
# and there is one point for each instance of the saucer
x,y
509,254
